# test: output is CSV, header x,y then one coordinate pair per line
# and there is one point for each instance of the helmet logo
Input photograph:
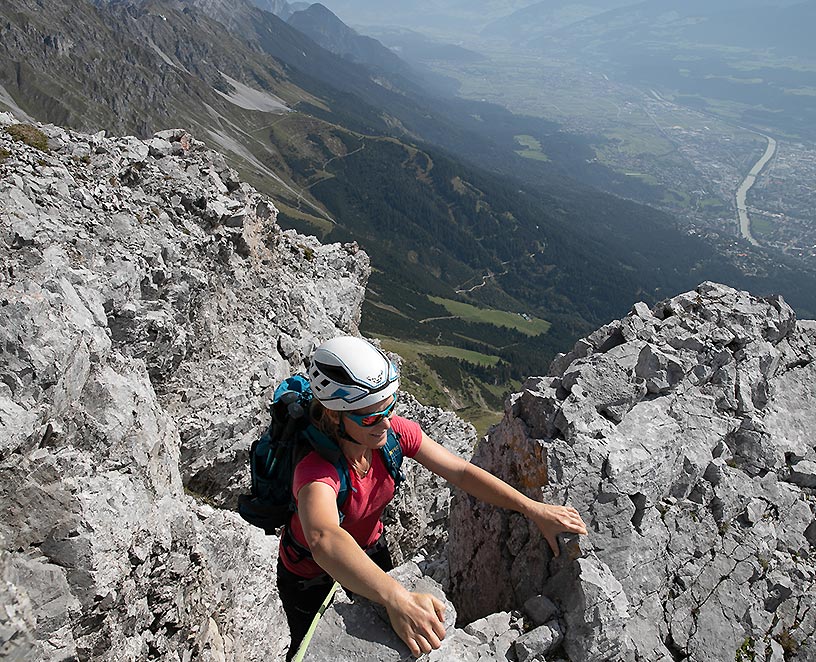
x,y
375,379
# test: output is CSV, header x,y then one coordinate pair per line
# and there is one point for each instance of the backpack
x,y
288,439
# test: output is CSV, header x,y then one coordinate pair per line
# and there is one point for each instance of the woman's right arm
x,y
416,617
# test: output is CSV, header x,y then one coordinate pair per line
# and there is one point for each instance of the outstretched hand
x,y
418,619
552,520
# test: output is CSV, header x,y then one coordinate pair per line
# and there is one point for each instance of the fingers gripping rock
x,y
355,629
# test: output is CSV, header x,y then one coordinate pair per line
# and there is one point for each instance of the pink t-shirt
x,y
365,502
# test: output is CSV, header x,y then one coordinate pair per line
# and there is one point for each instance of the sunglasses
x,y
370,420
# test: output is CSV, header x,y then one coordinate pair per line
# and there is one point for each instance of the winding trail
x,y
748,182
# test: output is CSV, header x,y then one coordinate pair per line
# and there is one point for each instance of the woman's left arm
x,y
551,520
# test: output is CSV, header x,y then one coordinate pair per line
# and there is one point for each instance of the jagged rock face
x,y
148,300
149,304
416,521
684,436
193,276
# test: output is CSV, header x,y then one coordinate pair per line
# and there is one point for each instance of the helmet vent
x,y
334,373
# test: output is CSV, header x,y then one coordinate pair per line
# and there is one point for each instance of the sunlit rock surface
x,y
149,305
684,436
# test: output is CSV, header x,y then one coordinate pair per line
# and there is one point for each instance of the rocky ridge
x,y
684,435
149,303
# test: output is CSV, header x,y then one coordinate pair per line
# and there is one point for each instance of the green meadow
x,y
531,326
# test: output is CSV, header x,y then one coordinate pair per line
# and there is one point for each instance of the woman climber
x,y
355,391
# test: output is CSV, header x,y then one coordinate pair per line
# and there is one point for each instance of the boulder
x,y
357,630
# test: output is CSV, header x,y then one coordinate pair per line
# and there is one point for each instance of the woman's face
x,y
373,436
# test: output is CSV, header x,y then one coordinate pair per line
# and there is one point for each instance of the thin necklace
x,y
360,472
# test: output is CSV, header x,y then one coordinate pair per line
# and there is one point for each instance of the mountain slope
x,y
321,25
350,159
548,16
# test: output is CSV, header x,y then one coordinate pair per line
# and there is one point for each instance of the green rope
x,y
305,643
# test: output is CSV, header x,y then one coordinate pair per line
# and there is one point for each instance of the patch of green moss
x,y
4,154
746,652
30,135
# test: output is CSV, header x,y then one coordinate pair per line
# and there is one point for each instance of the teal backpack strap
x,y
330,452
345,485
392,456
324,446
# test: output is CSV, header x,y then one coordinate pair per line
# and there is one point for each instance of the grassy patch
x,y
735,79
712,204
532,148
412,349
30,135
530,154
423,381
480,419
746,652
4,154
760,225
675,197
303,222
531,326
644,177
389,308
801,91
636,143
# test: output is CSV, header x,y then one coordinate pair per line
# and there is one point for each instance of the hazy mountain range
x,y
780,24
352,145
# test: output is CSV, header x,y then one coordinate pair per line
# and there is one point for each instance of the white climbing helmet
x,y
348,373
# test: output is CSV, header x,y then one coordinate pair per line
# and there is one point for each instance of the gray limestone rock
x,y
683,435
416,520
538,643
803,473
134,330
540,609
356,630
497,635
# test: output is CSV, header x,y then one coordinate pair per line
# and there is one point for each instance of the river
x,y
748,182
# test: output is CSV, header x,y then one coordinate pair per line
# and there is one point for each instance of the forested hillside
x,y
433,189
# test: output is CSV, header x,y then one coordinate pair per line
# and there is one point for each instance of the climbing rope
x,y
323,607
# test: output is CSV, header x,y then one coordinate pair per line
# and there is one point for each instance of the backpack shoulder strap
x,y
322,445
345,484
393,456
330,452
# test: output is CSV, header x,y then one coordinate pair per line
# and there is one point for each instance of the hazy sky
x,y
452,18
